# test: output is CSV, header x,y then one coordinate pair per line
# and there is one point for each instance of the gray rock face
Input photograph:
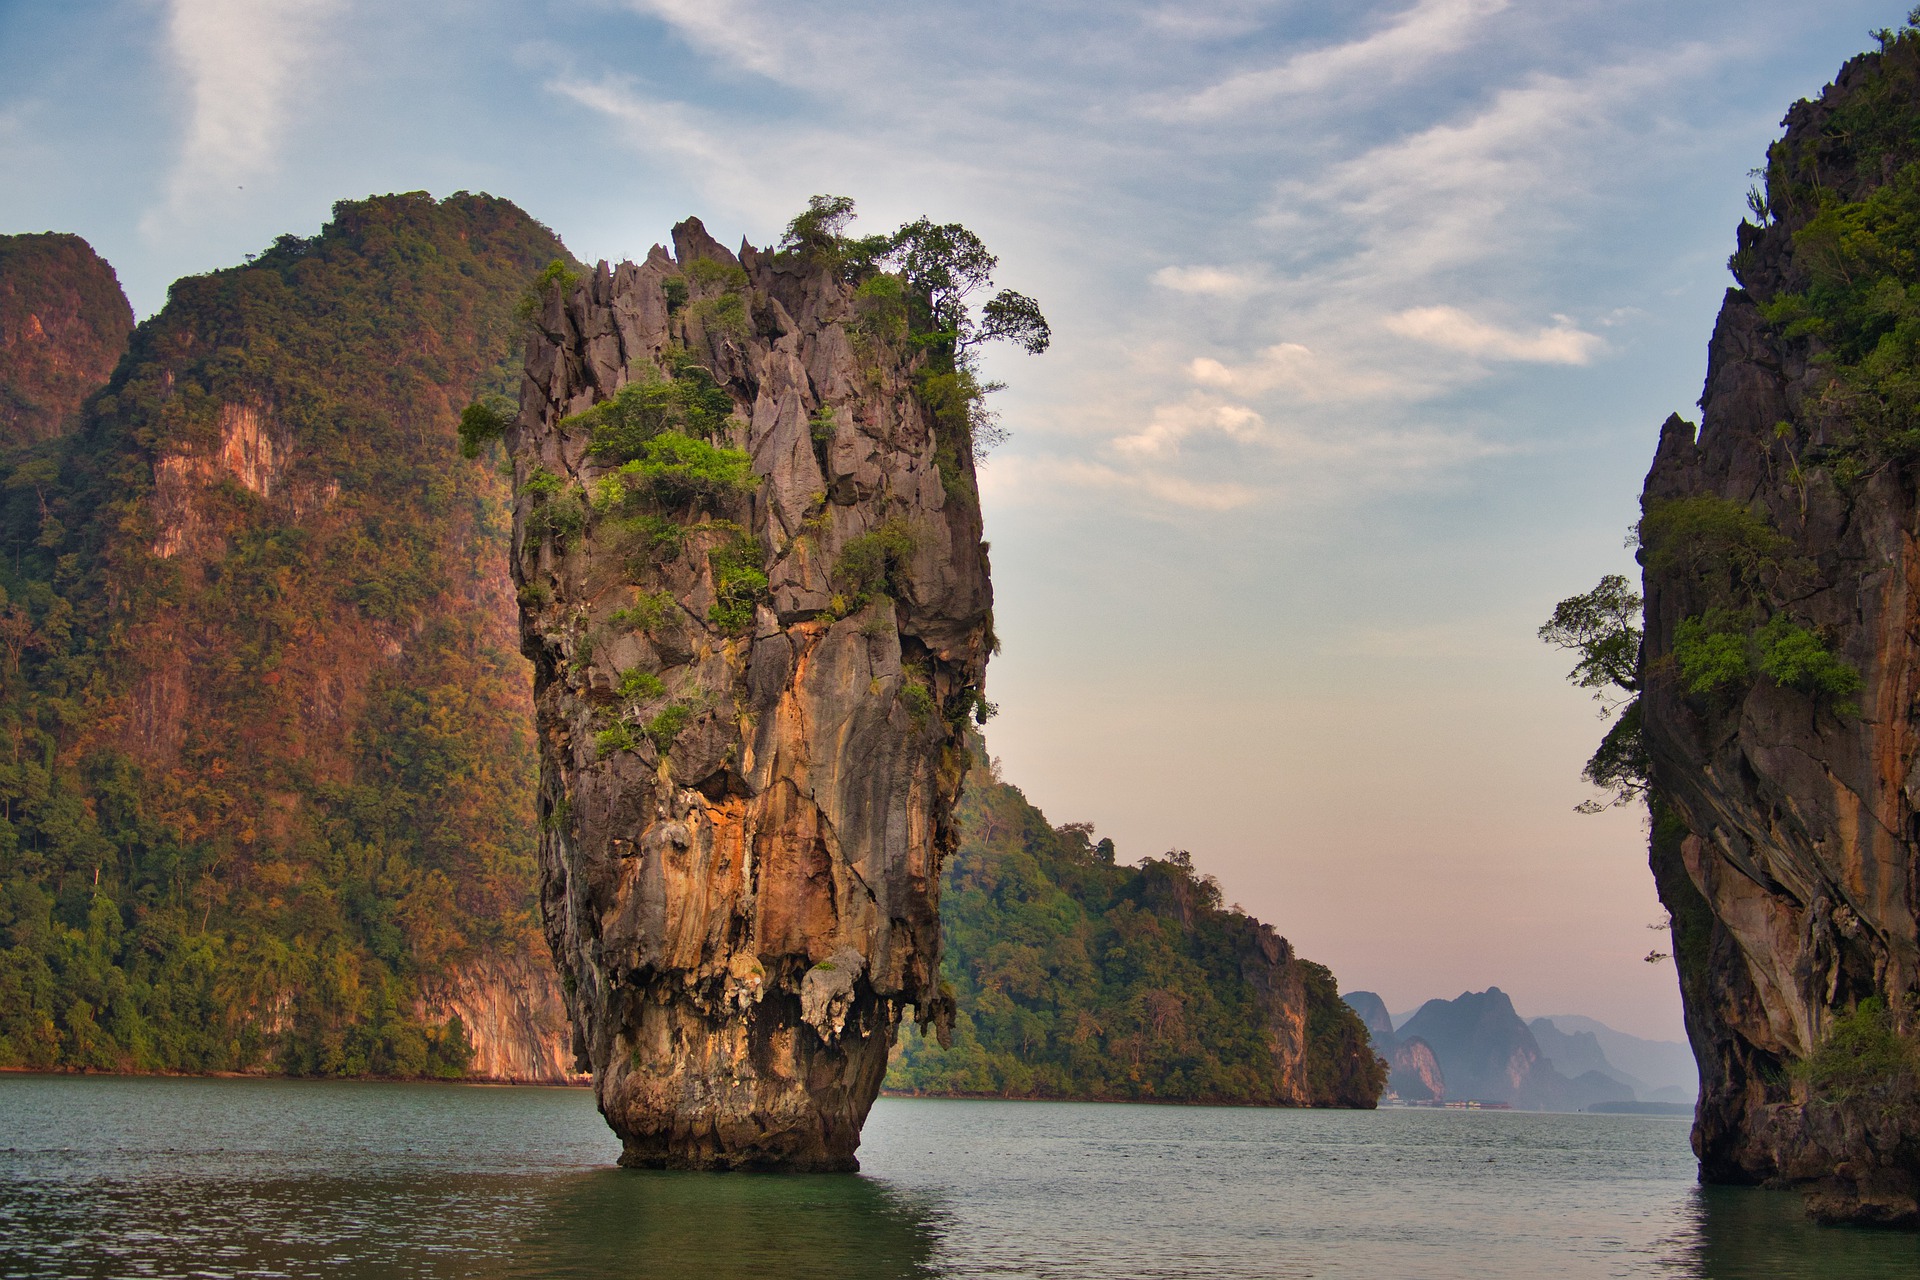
x,y
1786,842
749,697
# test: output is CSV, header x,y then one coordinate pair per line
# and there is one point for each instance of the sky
x,y
1365,319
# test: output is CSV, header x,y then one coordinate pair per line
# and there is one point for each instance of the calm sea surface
x,y
134,1177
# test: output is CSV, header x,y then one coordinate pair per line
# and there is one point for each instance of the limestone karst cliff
x,y
755,595
268,793
63,326
1781,663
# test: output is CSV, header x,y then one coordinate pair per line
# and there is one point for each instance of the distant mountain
x,y
1664,1068
1578,1052
1486,1052
1414,1072
1373,1011
63,325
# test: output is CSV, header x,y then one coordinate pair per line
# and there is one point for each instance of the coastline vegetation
x,y
1076,976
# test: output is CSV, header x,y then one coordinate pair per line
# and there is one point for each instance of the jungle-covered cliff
x,y
265,758
63,326
1781,667
1077,977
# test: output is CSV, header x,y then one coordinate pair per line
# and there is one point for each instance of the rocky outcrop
x,y
1373,1012
756,600
513,1013
1482,1045
1787,779
63,325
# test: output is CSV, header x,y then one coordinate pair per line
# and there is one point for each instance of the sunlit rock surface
x,y
743,896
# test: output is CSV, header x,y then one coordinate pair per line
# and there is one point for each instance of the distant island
x,y
1476,1048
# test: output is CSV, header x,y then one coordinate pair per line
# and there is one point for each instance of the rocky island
x,y
756,598
1779,723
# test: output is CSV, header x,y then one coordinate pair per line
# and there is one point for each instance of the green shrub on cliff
x,y
1855,298
872,563
484,421
739,582
1861,1050
686,401
675,470
1721,652
1077,977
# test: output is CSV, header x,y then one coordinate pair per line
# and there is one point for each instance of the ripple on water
x,y
108,1176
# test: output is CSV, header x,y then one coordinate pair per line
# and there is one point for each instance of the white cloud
x,y
1307,377
1173,423
1429,30
1452,329
241,60
1218,281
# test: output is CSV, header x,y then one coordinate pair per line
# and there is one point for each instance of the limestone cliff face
x,y
63,325
514,1014
748,694
1785,840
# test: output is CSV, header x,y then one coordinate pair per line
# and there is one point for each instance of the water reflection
x,y
604,1223
640,1225
1742,1233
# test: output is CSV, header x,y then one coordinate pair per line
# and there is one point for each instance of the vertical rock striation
x,y
63,325
1781,670
754,591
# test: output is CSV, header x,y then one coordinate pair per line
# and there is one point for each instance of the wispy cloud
x,y
1414,38
1494,183
1218,281
657,126
1386,269
1020,480
726,29
241,60
1306,377
1452,329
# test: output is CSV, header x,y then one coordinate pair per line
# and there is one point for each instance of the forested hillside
x,y
264,736
1079,977
63,325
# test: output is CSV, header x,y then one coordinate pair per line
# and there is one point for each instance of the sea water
x,y
104,1176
